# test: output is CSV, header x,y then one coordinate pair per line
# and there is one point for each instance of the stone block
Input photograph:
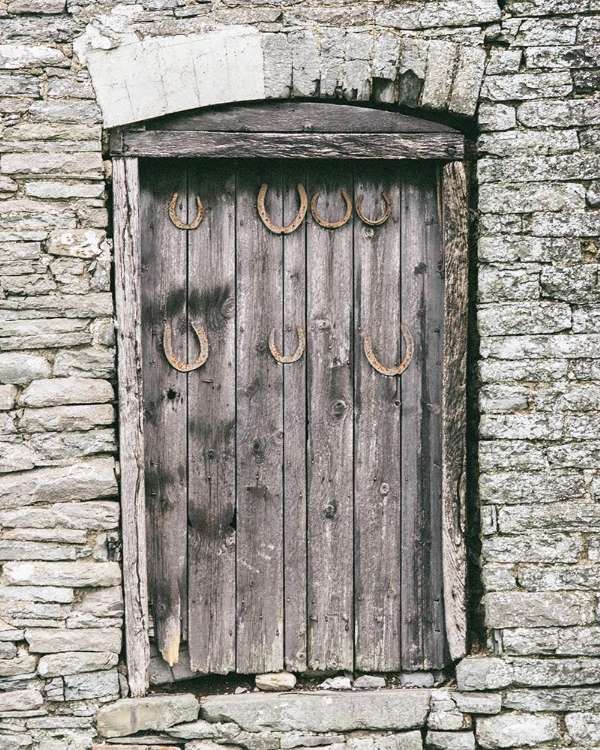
x,y
557,346
20,700
82,481
478,703
533,370
17,56
75,662
504,398
483,673
85,363
515,487
90,685
533,547
78,164
177,73
553,699
554,518
523,86
56,640
400,741
523,198
17,666
277,66
43,7
584,728
524,317
423,15
64,446
500,455
516,730
77,574
20,369
441,62
450,740
496,117
67,418
306,64
577,284
341,712
61,391
530,641
77,243
498,285
467,80
513,609
580,641
156,712
96,516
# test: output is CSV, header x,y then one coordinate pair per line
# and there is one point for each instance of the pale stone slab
x,y
516,730
450,740
79,574
97,516
20,369
157,712
75,662
52,641
83,481
159,75
481,673
343,712
20,700
59,391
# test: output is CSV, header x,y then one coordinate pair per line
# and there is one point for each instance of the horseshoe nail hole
x,y
384,488
329,511
171,393
396,402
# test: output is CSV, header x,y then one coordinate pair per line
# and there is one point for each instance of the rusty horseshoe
x,y
177,221
293,357
177,363
374,222
331,224
408,355
266,219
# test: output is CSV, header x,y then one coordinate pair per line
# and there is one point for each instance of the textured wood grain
x,y
293,304
422,301
298,117
377,424
330,436
259,443
456,226
164,300
211,422
292,145
126,191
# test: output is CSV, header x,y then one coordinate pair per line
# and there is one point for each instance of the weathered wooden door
x,y
293,509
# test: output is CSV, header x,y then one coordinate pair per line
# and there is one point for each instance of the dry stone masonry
x,y
525,74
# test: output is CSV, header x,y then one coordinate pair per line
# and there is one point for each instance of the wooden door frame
x,y
287,130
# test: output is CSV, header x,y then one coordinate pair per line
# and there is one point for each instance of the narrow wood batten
x,y
194,143
454,405
131,439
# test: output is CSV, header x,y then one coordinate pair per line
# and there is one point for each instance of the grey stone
x,y
516,730
88,685
450,740
369,682
37,594
518,519
533,547
86,363
69,418
275,681
422,15
8,394
584,728
528,641
20,369
77,243
91,515
478,703
557,699
579,641
17,666
298,739
337,683
40,551
15,56
483,673
517,487
78,574
533,609
52,641
525,317
103,602
204,730
417,679
59,391
74,662
82,481
401,741
157,712
341,712
20,700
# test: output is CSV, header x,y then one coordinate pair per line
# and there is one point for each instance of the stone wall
x,y
527,75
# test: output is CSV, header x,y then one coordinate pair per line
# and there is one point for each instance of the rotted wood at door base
x,y
294,510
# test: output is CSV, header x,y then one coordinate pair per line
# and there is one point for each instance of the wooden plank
x,y
292,145
294,446
298,117
164,301
377,424
422,303
330,437
126,194
456,228
259,441
211,422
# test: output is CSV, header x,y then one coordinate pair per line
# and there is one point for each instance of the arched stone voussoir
x,y
163,75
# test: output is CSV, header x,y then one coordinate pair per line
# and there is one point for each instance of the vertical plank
x,y
211,422
377,423
330,437
456,227
294,415
422,309
126,191
164,300
259,439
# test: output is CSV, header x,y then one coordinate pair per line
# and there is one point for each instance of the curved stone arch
x,y
166,74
